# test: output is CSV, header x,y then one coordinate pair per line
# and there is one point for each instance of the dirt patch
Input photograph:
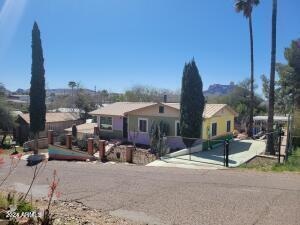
x,y
75,213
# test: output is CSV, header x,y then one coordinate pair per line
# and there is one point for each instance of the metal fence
x,y
191,149
283,140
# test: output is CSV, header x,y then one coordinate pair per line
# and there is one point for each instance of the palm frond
x,y
245,6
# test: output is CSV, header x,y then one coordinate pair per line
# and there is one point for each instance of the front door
x,y
125,127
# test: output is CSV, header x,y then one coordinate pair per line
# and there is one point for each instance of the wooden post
x,y
96,131
90,147
50,137
101,149
69,141
129,154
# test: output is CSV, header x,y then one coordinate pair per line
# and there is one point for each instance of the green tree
x,y
157,132
192,104
2,90
239,100
7,122
292,70
72,85
74,131
270,139
285,89
37,107
85,103
104,95
246,6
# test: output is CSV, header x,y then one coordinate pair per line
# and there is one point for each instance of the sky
x,y
117,44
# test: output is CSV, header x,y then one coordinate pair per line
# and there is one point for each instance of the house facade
x,y
54,121
132,121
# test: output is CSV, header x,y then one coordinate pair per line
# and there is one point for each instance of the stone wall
x,y
43,143
139,156
143,157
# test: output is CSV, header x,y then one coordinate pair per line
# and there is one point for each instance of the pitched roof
x,y
86,128
209,109
121,108
54,117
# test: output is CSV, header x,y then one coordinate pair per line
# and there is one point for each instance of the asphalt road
x,y
156,195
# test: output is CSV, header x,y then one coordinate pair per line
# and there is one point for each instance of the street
x,y
156,195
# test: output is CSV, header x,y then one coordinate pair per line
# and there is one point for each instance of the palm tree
x,y
72,84
246,6
270,141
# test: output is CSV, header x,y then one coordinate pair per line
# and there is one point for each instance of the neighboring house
x,y
260,122
54,121
65,110
132,120
84,130
24,99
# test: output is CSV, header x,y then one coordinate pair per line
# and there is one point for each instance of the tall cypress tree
x,y
191,104
37,108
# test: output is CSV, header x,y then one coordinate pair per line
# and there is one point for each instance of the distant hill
x,y
66,91
219,89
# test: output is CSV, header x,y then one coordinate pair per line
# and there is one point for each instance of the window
x,y
106,123
228,126
143,125
177,128
161,109
213,129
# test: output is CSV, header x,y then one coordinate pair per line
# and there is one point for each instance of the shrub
x,y
62,139
82,144
3,202
24,206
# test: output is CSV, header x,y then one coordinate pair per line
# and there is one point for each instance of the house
x,y
54,121
260,122
84,130
132,120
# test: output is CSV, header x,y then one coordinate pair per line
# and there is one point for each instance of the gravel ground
x,y
75,213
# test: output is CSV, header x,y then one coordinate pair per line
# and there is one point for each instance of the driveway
x,y
155,195
240,151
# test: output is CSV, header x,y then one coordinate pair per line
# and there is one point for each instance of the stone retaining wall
x,y
143,157
139,156
43,143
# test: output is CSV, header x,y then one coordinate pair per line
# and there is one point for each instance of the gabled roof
x,y
86,128
122,108
209,109
54,117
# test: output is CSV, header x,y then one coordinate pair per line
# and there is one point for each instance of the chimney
x,y
165,98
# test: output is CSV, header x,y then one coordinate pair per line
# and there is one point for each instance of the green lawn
x,y
292,165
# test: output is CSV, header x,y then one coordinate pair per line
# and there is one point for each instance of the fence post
x,y
288,139
279,144
69,141
50,137
227,153
101,148
224,153
90,146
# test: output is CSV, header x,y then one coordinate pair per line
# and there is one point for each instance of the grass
x,y
292,165
7,199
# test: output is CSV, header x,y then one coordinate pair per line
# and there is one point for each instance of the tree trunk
x,y
36,143
270,141
250,128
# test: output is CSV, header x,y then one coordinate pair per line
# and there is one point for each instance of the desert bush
x,y
62,139
82,144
